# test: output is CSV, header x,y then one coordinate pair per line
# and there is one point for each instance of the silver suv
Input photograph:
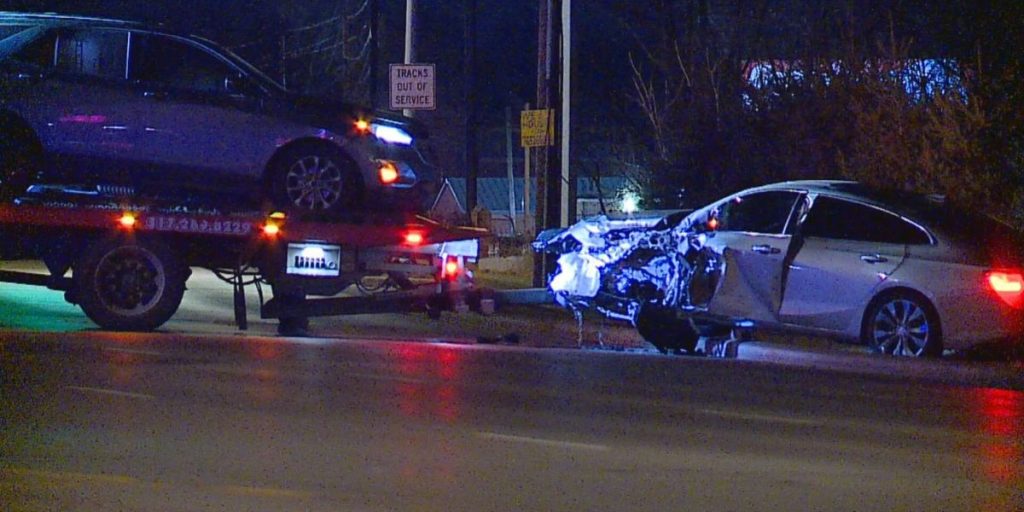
x,y
98,106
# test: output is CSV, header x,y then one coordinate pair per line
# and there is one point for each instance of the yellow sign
x,y
537,128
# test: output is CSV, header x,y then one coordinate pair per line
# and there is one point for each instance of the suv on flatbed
x,y
107,107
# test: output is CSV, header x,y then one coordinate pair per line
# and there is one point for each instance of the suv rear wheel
x,y
313,179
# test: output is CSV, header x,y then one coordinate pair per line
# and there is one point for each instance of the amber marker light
x,y
271,229
127,220
363,126
388,173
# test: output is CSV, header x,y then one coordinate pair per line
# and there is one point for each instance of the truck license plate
x,y
311,259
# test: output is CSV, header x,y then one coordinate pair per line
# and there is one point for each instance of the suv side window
x,y
178,65
844,220
761,212
98,53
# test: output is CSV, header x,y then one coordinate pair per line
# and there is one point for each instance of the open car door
x,y
752,245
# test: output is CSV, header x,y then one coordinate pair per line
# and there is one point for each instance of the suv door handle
x,y
873,258
765,249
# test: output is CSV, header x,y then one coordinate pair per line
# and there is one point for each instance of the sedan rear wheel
x,y
903,324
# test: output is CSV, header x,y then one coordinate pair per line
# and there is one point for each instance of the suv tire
x,y
314,180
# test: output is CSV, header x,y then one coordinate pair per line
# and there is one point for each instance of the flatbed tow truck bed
x,y
129,262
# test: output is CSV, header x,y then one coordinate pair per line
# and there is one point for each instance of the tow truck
x,y
126,263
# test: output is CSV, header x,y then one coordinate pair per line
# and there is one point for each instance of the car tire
x,y
661,327
314,180
904,324
126,284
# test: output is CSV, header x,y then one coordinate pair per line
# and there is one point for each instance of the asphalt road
x,y
167,422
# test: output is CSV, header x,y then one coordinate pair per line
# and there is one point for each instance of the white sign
x,y
412,87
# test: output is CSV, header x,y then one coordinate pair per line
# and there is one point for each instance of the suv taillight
x,y
1008,285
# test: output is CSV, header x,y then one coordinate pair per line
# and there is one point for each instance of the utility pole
x,y
548,186
469,69
552,173
374,51
510,161
410,39
566,179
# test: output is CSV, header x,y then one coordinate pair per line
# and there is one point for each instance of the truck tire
x,y
126,284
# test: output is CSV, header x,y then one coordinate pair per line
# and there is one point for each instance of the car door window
x,y
177,65
96,53
845,220
761,212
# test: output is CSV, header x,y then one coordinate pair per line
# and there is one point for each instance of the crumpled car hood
x,y
631,260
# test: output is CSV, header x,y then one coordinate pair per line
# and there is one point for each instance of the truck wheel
x,y
129,285
659,326
314,179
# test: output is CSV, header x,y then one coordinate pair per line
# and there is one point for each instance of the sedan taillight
x,y
1008,285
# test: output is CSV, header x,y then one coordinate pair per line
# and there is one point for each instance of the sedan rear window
x,y
845,220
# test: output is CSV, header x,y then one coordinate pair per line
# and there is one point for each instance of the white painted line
x,y
543,442
762,417
112,392
134,351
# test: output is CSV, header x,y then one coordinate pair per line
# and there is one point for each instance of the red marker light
x,y
451,267
127,220
1009,286
713,223
413,238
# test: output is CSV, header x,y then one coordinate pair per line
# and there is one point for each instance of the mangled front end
x,y
617,268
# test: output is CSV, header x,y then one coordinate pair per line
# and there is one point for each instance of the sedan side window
x,y
98,53
845,220
178,65
762,212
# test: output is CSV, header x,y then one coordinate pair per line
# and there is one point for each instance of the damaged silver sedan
x,y
904,274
